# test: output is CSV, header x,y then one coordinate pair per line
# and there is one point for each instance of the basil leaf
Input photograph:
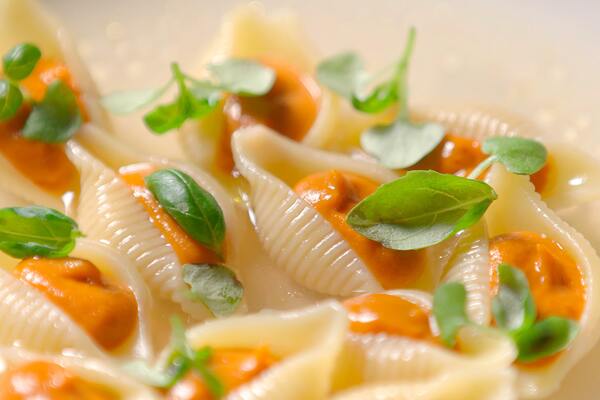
x,y
11,99
167,116
36,231
56,118
194,209
513,308
401,144
519,155
215,286
20,61
383,96
545,338
449,310
243,77
420,209
343,73
130,101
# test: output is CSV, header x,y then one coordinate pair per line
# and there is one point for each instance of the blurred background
x,y
539,58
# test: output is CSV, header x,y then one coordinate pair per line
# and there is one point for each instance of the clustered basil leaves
x,y
56,118
182,359
195,98
197,212
515,314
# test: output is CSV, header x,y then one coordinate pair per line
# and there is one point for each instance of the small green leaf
x,y
36,231
130,101
545,338
243,77
20,61
514,308
56,118
212,382
343,73
215,286
11,99
519,155
449,310
194,209
420,209
203,99
383,96
401,144
167,116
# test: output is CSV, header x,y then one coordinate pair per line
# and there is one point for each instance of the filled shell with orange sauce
x,y
91,303
561,267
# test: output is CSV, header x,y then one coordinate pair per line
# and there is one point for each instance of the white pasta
x,y
466,384
250,33
99,372
520,208
307,341
31,321
388,358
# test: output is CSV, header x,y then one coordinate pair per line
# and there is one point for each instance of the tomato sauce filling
x,y
386,313
289,108
459,155
48,381
187,249
555,279
333,194
234,368
44,164
108,313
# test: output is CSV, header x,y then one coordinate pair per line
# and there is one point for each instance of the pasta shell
x,y
307,341
250,33
461,385
107,211
520,208
34,323
26,21
469,265
296,237
385,358
575,175
97,371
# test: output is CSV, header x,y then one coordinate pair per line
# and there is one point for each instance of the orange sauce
x,y
187,249
47,71
290,108
45,164
555,279
460,155
107,313
333,194
48,381
385,313
234,367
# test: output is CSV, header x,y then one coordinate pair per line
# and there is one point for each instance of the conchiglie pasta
x,y
296,237
306,343
572,177
108,211
517,209
460,385
33,321
276,40
72,373
385,357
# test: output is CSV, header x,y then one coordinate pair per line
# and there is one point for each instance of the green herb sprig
x,y
195,98
53,120
198,213
36,231
515,315
401,143
181,360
